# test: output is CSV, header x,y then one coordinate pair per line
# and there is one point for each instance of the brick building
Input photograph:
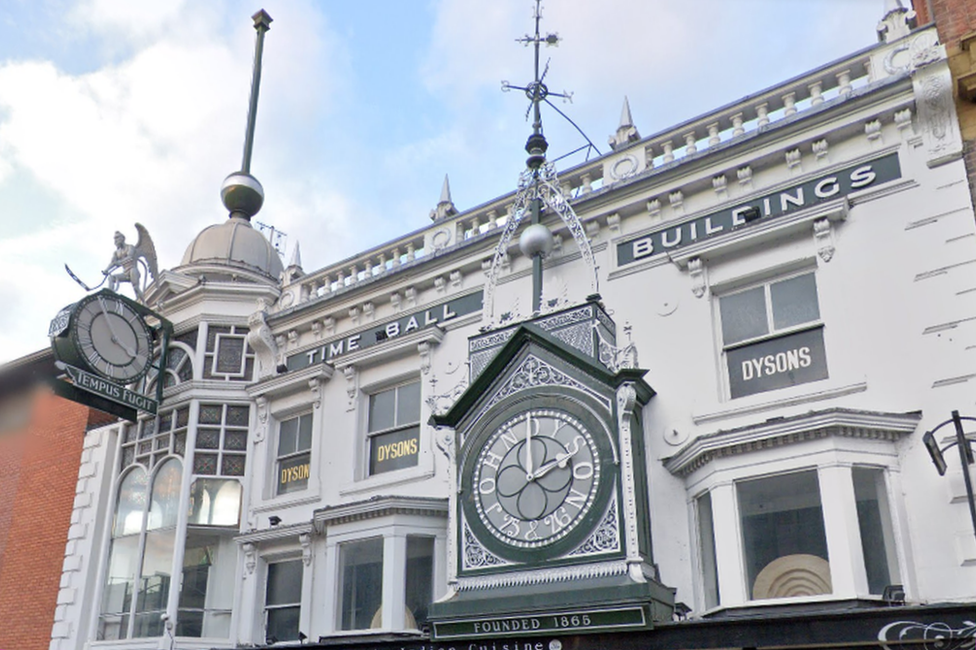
x,y
41,445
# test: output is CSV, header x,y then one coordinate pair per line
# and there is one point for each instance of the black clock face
x,y
536,477
112,337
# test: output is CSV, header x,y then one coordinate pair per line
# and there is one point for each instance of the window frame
x,y
771,332
766,280
297,453
370,436
265,607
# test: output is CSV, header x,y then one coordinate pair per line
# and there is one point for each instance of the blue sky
x,y
114,112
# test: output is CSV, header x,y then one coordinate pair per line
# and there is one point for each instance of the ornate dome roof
x,y
234,242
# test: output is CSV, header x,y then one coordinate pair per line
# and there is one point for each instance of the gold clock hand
x,y
111,330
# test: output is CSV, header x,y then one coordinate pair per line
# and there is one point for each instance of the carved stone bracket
x,y
626,402
306,541
315,385
250,558
823,236
423,349
261,430
697,272
932,84
261,340
352,386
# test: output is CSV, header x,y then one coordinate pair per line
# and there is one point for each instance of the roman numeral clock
x,y
550,519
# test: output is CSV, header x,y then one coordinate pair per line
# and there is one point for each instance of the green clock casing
x,y
537,477
105,335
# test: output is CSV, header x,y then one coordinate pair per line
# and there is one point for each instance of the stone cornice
x,y
275,533
380,506
785,431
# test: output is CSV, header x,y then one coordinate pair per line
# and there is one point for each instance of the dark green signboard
x,y
106,389
583,620
411,322
394,450
761,208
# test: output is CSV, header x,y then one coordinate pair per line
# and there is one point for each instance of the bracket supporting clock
x,y
550,506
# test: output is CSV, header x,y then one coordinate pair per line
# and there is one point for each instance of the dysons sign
x,y
769,206
411,322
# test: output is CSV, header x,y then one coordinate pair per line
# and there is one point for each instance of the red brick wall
x,y
38,474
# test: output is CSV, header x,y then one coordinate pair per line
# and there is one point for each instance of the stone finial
x,y
626,132
896,23
445,207
294,270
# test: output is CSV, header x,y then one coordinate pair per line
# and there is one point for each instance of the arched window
x,y
145,518
130,509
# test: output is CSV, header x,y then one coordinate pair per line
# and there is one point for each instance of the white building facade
x,y
795,271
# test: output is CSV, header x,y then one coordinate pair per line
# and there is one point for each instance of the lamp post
x,y
965,456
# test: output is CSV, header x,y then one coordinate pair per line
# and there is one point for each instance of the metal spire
x,y
537,186
241,193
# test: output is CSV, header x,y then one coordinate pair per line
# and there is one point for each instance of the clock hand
x,y
111,330
528,447
561,460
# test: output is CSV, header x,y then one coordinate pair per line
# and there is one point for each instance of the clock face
x,y
112,337
536,477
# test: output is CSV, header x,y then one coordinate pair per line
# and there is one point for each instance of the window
x,y
783,536
772,335
209,559
221,440
394,428
137,588
294,454
283,601
706,545
361,584
874,521
420,578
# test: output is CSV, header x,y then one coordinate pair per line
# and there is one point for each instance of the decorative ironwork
x,y
933,636
475,555
606,537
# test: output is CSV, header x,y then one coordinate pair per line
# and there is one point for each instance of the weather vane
x,y
538,188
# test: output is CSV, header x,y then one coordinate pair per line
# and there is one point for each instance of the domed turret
x,y
234,242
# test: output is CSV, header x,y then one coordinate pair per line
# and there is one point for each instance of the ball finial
x,y
536,240
242,195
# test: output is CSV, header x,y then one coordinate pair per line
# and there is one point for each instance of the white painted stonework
x,y
894,264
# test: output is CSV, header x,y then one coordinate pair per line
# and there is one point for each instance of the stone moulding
x,y
841,422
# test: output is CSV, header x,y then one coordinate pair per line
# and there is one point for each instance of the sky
x,y
114,112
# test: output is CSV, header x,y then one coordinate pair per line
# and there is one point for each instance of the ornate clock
x,y
104,334
536,477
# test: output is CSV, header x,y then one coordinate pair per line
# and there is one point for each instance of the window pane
x,y
706,544
119,588
874,520
293,474
305,432
284,583
283,624
207,585
794,301
165,503
394,450
783,536
157,568
408,404
381,407
131,503
420,578
743,315
287,436
361,572
215,502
